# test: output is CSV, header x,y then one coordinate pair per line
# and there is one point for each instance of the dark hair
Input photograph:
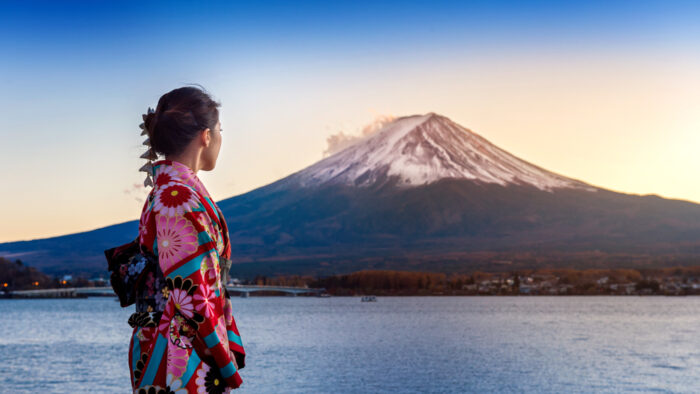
x,y
180,115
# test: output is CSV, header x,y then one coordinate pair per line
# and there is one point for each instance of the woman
x,y
186,339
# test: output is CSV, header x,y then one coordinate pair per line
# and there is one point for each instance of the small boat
x,y
369,298
324,295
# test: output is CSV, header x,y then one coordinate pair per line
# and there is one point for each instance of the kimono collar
x,y
164,171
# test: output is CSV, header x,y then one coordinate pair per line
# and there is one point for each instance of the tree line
x,y
14,275
394,282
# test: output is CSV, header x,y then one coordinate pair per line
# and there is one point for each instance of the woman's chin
x,y
209,167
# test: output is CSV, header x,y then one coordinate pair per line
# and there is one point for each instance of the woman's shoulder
x,y
169,200
180,197
178,200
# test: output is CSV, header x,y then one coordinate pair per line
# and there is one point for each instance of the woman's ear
x,y
206,137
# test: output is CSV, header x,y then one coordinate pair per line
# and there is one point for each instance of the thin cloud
x,y
341,140
136,190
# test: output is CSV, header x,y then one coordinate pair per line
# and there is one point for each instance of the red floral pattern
x,y
185,228
174,198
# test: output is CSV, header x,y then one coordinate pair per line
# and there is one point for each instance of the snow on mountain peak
x,y
422,149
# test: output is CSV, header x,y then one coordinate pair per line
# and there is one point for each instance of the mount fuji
x,y
421,193
418,150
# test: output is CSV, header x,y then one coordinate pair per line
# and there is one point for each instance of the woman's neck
x,y
190,161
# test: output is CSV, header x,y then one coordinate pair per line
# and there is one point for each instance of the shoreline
x,y
83,296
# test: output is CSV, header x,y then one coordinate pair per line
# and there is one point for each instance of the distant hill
x,y
14,275
422,193
79,253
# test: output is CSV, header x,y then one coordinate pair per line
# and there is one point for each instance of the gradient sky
x,y
606,92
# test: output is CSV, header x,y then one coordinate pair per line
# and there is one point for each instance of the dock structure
x,y
82,292
64,292
245,290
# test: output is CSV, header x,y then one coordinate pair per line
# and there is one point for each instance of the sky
x,y
605,92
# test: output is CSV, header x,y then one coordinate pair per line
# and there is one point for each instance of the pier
x,y
63,292
245,290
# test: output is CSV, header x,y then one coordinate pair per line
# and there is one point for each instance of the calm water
x,y
398,344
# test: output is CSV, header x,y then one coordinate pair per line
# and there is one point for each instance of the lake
x,y
397,344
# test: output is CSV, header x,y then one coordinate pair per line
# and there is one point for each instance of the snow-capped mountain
x,y
421,193
421,149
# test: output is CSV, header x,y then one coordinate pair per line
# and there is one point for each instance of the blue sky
x,y
606,92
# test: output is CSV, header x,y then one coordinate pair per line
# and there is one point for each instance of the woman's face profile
x,y
211,153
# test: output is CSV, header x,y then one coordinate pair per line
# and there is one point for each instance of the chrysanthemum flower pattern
x,y
177,239
182,302
164,324
166,175
201,376
174,199
177,359
174,385
209,381
205,302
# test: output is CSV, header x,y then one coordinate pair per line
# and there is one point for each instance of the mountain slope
x,y
422,193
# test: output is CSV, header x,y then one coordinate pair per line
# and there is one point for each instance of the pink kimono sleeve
x,y
188,257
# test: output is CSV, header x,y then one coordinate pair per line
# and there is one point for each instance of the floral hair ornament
x,y
150,154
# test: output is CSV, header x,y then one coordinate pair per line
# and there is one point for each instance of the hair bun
x,y
178,118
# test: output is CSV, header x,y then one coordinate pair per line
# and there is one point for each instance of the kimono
x,y
194,346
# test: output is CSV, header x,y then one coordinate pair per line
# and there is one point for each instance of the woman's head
x,y
185,127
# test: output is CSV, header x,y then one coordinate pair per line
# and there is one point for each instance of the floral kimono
x,y
187,340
